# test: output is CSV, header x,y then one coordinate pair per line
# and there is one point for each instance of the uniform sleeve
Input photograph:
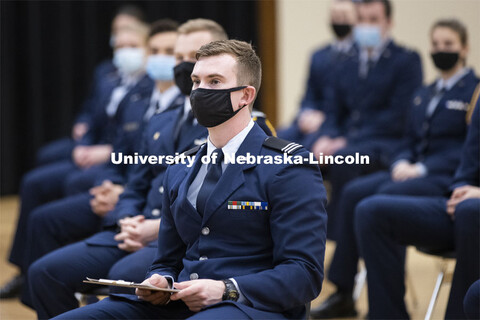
x,y
314,96
469,170
133,199
298,228
406,151
409,79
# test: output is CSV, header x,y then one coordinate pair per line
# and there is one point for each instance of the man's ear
x,y
248,96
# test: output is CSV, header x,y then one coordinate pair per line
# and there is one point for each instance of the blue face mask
x,y
160,67
129,60
367,36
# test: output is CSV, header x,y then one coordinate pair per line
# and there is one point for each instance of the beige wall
x,y
303,25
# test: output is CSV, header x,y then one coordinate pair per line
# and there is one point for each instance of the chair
x,y
90,295
361,279
445,275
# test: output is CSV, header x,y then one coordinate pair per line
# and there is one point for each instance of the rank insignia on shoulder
x,y
192,151
247,205
278,144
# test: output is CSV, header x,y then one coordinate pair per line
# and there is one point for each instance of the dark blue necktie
x,y
213,175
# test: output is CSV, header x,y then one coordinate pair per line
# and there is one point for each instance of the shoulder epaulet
x,y
193,151
258,114
281,145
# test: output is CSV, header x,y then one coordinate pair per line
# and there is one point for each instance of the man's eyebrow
x,y
213,75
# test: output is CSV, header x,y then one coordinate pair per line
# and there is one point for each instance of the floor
x,y
422,270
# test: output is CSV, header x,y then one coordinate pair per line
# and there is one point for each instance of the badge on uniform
x,y
457,105
247,205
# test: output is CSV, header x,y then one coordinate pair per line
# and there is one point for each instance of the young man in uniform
x,y
231,260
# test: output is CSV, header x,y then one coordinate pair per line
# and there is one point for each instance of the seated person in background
x,y
323,65
386,223
47,183
369,101
424,166
57,223
126,17
264,263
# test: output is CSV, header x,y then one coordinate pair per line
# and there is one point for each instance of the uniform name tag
x,y
247,205
457,105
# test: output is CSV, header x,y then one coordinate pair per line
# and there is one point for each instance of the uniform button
x,y
194,276
155,212
202,258
206,231
161,189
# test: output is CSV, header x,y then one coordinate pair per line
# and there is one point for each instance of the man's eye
x,y
215,81
197,82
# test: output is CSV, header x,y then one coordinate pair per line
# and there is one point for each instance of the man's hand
x,y
404,170
460,194
87,156
154,297
328,146
79,130
198,294
310,120
105,197
137,232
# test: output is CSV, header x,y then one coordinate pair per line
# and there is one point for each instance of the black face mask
x,y
212,107
183,80
341,30
445,60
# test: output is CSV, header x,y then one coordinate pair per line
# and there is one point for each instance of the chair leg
x,y
307,310
360,280
433,300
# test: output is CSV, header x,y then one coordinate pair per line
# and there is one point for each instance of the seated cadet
x,y
134,266
45,184
471,302
324,63
61,149
368,102
424,166
261,262
142,198
386,223
70,219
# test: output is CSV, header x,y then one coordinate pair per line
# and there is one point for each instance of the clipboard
x,y
126,284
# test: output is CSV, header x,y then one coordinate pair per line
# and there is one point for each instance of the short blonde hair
x,y
195,25
249,67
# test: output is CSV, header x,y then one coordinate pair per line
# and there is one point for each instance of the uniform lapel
x,y
233,177
191,173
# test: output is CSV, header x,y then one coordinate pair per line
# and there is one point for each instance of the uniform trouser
x,y
133,267
471,303
118,308
39,186
57,150
344,264
340,174
56,224
54,278
384,224
82,180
